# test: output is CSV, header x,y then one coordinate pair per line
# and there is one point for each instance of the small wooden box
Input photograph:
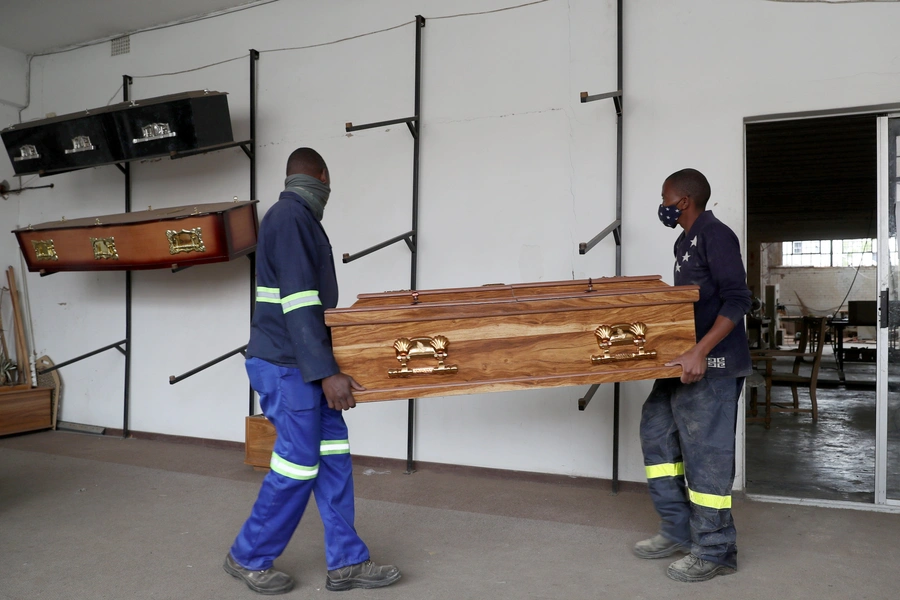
x,y
25,410
259,436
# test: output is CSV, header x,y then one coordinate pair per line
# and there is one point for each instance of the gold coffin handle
x,y
632,334
422,347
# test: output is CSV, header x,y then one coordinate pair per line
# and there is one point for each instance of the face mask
x,y
668,215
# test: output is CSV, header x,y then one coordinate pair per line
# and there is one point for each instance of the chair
x,y
809,351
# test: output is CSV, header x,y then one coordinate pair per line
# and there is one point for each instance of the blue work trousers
x,y
687,436
311,454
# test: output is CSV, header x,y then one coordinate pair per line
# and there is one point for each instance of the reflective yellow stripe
x,y
299,300
665,470
266,294
709,500
334,447
291,470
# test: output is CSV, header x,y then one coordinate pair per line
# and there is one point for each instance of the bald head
x,y
692,183
306,161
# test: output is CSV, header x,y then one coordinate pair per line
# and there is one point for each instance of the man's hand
x,y
693,365
338,390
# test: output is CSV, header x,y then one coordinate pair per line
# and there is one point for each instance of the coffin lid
x,y
143,216
554,296
121,106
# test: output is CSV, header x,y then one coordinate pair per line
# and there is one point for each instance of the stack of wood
x,y
23,407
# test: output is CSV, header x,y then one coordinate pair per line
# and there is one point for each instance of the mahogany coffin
x,y
510,337
164,238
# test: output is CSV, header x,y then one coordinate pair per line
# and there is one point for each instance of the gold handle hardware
x,y
44,250
186,240
105,248
622,334
422,347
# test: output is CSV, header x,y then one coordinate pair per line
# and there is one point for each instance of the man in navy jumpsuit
x,y
688,425
302,392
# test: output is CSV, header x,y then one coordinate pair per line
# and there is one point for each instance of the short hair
x,y
305,161
693,183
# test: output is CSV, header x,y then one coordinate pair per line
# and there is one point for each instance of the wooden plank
x,y
24,364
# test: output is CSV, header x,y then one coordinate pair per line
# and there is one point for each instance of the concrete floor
x,y
833,459
91,517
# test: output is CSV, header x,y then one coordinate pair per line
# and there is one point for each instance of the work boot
x,y
659,546
365,575
692,568
269,581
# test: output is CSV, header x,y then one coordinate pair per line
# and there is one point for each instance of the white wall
x,y
514,173
12,97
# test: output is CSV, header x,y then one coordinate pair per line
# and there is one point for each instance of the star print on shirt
x,y
694,241
686,257
677,268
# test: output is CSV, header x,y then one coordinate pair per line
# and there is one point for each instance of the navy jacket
x,y
295,284
709,255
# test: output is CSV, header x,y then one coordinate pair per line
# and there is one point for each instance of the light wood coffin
x,y
509,337
162,238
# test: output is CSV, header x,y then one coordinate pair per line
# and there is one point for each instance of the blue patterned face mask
x,y
668,215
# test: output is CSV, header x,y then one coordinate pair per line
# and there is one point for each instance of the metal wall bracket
x,y
415,128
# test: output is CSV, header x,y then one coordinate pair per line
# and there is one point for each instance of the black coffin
x,y
68,142
176,123
142,129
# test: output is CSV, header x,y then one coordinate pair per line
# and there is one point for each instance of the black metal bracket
x,y
583,402
175,379
411,122
615,228
616,98
5,191
409,237
414,124
249,148
118,346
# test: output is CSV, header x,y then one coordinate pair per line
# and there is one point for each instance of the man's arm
x,y
305,316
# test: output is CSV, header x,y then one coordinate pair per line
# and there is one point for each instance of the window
x,y
829,253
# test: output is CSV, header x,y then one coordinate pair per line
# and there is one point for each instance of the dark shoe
x,y
267,582
691,569
659,546
365,575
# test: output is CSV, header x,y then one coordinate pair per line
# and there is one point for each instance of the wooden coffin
x,y
127,131
510,337
164,238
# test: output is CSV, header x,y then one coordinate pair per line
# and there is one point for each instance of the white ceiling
x,y
35,26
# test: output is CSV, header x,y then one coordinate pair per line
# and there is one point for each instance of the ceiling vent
x,y
120,45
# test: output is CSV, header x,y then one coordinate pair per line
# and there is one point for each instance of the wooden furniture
x,y
427,343
174,237
25,410
808,352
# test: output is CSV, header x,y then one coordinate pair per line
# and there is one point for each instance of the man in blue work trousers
x,y
688,425
302,392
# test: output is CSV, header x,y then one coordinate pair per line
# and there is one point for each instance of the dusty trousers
x,y
688,439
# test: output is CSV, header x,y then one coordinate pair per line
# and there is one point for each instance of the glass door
x,y
887,440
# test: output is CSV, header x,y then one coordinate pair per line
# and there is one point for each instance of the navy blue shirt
x,y
295,284
709,255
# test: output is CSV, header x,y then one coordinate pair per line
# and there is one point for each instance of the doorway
x,y
812,188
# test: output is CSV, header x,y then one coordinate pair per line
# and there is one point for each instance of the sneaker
x,y
267,582
365,575
659,546
692,568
